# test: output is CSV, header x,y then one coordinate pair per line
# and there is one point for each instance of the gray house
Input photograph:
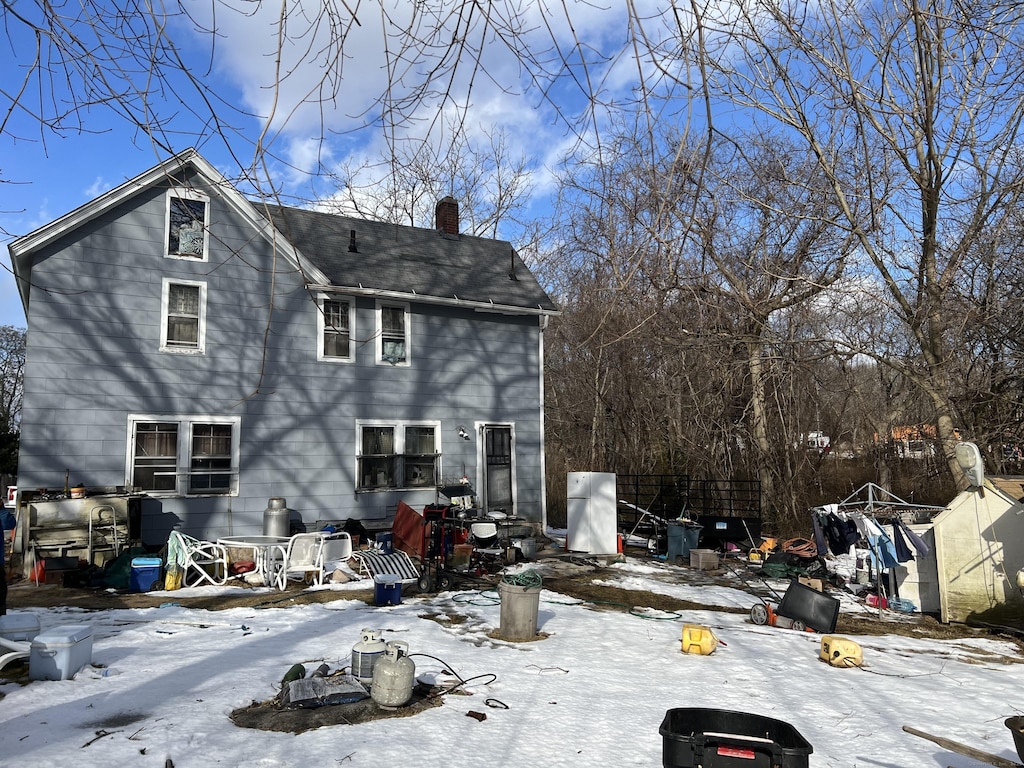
x,y
204,353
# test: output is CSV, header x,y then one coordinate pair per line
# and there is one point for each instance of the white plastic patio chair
x,y
13,650
201,562
337,547
302,557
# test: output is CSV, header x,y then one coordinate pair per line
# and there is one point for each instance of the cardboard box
x,y
704,559
817,584
462,555
59,653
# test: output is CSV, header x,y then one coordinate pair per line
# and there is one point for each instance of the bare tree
x,y
914,112
911,110
404,70
12,371
988,340
766,244
492,185
688,261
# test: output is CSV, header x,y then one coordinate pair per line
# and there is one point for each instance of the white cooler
x,y
59,653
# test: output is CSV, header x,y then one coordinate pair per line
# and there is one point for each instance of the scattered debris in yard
x,y
270,716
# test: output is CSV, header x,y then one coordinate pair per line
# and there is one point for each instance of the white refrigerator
x,y
592,525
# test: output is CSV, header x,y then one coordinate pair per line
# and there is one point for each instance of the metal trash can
x,y
520,603
276,518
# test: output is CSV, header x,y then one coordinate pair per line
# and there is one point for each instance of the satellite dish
x,y
969,458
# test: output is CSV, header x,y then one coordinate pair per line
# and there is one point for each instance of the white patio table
x,y
261,547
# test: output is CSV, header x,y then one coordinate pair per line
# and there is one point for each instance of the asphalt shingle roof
x,y
425,262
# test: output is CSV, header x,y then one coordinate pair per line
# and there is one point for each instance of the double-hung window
x,y
183,455
183,316
398,455
393,333
211,459
188,219
335,329
155,462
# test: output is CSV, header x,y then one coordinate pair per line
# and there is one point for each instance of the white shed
x,y
977,550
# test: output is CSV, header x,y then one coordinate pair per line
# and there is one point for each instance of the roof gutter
x,y
454,301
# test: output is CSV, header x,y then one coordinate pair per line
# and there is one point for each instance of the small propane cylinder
x,y
393,676
365,654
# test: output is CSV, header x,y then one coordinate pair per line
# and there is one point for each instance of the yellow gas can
x,y
841,652
698,639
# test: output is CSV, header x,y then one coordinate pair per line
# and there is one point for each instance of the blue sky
x,y
306,120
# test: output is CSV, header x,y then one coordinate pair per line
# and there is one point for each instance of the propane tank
x,y
365,654
393,676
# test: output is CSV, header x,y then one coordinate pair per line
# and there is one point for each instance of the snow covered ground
x,y
594,691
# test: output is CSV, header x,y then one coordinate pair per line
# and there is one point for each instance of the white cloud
x,y
332,94
97,188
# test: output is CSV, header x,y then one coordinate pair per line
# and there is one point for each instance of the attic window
x,y
187,225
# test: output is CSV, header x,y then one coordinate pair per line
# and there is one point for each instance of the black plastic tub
x,y
721,738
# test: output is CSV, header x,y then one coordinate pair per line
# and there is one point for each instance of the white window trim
x,y
200,347
184,461
379,335
399,427
321,327
187,194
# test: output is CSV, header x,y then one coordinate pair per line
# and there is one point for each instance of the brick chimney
x,y
447,215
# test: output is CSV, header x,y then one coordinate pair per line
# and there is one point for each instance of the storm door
x,y
497,495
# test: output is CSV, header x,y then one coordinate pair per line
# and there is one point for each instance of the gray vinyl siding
x,y
93,358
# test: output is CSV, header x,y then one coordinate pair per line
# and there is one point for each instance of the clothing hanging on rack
x,y
915,540
841,533
819,535
902,550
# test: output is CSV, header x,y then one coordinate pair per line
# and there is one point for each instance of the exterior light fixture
x,y
969,458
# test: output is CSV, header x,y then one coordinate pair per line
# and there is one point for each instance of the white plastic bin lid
x,y
13,621
386,578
